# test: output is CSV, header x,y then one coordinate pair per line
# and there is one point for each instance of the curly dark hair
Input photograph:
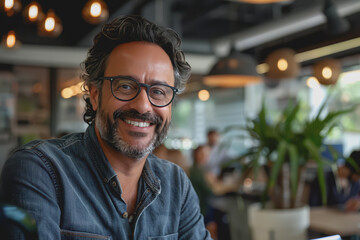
x,y
126,29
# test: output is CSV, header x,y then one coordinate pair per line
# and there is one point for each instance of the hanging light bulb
x,y
10,40
32,12
95,11
10,7
50,26
282,64
327,71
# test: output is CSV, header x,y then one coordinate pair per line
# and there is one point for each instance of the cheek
x,y
165,114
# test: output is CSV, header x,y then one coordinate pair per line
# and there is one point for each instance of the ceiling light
x,y
32,12
235,70
203,95
95,11
282,64
10,7
312,82
327,71
50,26
10,40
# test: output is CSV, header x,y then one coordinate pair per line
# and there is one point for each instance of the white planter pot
x,y
278,224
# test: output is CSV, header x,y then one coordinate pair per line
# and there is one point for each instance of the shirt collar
x,y
98,157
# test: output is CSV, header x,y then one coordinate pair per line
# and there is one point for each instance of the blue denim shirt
x,y
71,190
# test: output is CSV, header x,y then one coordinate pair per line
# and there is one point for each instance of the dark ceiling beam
x,y
277,29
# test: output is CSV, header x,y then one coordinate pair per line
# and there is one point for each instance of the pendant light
x,y
33,12
10,40
95,11
327,71
10,7
282,64
235,70
50,26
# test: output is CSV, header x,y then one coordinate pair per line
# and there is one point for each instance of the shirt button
x,y
113,184
105,180
125,215
148,189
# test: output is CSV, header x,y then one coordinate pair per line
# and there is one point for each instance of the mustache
x,y
132,113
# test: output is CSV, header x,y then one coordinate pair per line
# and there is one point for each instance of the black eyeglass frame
x,y
147,86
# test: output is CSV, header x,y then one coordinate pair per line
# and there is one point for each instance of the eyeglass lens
x,y
127,89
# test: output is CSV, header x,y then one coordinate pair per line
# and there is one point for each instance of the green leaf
x,y
294,168
277,164
315,153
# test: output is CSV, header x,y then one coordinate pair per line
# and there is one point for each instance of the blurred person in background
x,y
207,186
342,186
105,183
213,138
173,155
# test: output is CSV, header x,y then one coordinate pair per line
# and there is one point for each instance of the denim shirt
x,y
71,190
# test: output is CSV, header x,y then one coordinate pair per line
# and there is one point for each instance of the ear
x,y
94,96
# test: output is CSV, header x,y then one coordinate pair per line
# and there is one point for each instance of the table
x,y
333,221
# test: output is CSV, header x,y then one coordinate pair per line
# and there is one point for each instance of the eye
x,y
158,91
124,85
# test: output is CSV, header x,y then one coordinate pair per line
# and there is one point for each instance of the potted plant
x,y
284,148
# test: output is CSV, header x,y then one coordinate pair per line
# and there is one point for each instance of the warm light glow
x,y
326,72
49,24
230,81
262,68
95,9
72,91
33,12
67,93
11,39
204,95
282,64
8,4
312,82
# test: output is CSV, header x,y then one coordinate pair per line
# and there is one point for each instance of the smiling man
x,y
105,183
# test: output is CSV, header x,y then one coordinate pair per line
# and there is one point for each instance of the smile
x,y
137,124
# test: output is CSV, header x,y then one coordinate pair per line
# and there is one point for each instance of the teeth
x,y
137,124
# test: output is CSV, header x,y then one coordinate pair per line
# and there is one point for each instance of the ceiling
x,y
207,27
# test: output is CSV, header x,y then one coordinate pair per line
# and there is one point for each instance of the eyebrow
x,y
153,81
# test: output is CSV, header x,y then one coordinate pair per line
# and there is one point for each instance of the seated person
x,y
172,155
342,186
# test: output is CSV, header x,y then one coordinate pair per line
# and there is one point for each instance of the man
x,y
213,137
342,186
104,183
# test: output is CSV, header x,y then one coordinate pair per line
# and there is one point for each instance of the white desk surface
x,y
333,221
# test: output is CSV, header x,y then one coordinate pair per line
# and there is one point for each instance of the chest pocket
x,y
72,235
173,236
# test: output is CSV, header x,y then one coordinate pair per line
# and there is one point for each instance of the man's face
x,y
134,127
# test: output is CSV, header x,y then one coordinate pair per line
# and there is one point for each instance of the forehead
x,y
139,59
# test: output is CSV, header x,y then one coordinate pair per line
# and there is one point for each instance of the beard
x,y
108,132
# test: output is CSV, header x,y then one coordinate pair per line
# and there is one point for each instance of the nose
x,y
141,103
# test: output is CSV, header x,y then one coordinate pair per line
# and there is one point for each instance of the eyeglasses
x,y
126,88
